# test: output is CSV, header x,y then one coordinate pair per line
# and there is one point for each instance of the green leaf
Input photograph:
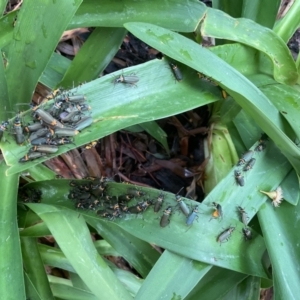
x,y
62,288
282,242
138,253
222,155
168,275
289,23
215,284
34,268
220,25
240,57
156,132
41,172
248,289
55,70
34,39
262,12
230,7
183,18
6,28
116,106
250,98
10,251
285,98
91,60
71,232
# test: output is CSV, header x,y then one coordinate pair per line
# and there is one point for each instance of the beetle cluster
x,y
31,195
244,218
52,126
94,195
90,194
248,161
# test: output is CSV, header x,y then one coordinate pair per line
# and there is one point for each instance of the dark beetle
x,y
158,203
31,156
126,197
176,72
247,234
218,213
239,178
131,79
63,132
249,164
194,215
225,235
245,157
3,127
44,149
244,216
83,123
20,138
165,219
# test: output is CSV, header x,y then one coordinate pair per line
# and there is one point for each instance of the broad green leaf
x,y
37,230
2,7
286,99
62,288
220,25
289,23
222,156
240,57
215,284
230,7
156,132
54,257
34,268
262,12
248,289
4,115
290,187
116,106
137,252
279,226
183,17
7,28
11,280
245,93
91,59
71,233
166,279
132,282
34,39
55,70
77,281
41,172
202,237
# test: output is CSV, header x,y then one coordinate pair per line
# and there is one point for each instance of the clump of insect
x,y
52,126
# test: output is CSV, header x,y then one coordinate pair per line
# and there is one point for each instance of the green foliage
x,y
259,75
